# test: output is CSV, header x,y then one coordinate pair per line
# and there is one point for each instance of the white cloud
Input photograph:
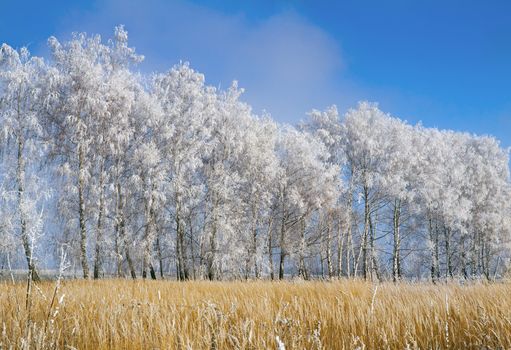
x,y
287,64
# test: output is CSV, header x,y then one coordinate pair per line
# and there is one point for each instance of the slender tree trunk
x,y
351,260
212,263
482,259
131,265
81,213
160,257
202,257
119,240
270,248
349,231
122,234
246,271
474,255
480,254
20,178
192,250
179,269
447,235
373,261
485,253
203,253
212,260
432,240
463,258
433,236
99,229
329,263
340,249
365,255
180,247
152,271
302,269
183,255
118,256
437,251
282,246
254,241
148,239
396,259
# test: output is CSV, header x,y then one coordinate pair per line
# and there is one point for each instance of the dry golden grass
x,y
122,314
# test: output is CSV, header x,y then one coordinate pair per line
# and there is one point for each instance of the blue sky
x,y
445,63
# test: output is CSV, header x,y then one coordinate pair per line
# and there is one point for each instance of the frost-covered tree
x,y
367,146
78,90
258,168
115,130
21,103
222,180
326,127
184,140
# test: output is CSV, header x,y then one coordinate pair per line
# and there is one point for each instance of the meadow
x,y
123,314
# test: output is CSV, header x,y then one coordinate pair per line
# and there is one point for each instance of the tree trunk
x,y
119,240
282,246
437,251
365,255
212,258
340,249
463,258
20,178
433,236
192,251
254,241
81,213
330,267
473,255
374,264
396,259
160,257
131,266
202,257
302,269
122,234
270,248
118,256
99,229
182,272
485,257
148,238
152,271
349,232
447,235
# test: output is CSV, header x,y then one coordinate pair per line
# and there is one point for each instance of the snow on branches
x,y
165,175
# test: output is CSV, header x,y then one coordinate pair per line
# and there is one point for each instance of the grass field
x,y
123,314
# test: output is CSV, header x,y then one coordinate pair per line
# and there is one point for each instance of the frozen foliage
x,y
165,175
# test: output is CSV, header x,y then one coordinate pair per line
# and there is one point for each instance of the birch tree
x,y
21,78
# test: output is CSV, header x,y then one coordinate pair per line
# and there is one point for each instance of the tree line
x,y
161,175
